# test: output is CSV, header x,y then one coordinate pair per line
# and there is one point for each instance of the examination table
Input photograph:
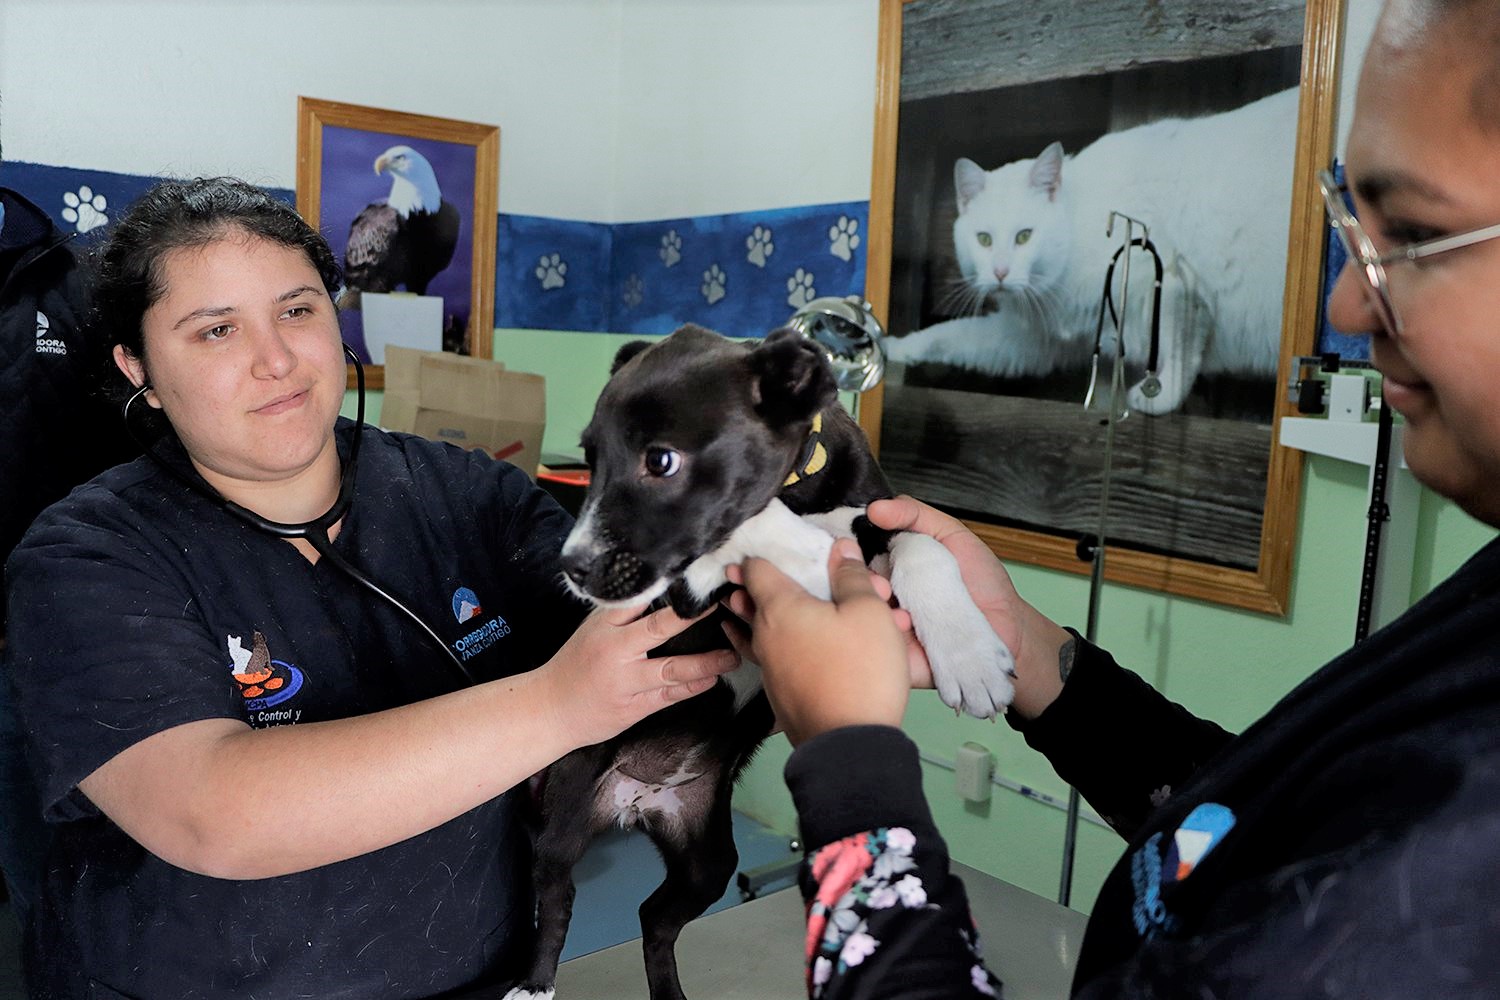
x,y
753,951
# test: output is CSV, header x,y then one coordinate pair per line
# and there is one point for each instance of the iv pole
x,y
1095,550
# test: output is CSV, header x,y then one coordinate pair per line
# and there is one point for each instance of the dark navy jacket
x,y
56,428
1346,845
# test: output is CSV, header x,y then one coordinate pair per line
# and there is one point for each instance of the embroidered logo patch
x,y
466,607
263,683
1200,833
45,342
465,604
1161,863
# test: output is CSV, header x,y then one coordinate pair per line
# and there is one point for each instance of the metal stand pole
x,y
1378,515
1115,414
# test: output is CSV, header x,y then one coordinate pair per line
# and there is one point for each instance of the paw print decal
x,y
714,281
759,246
800,290
85,209
843,238
551,271
635,291
671,248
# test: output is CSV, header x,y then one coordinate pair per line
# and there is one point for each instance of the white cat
x,y
1215,193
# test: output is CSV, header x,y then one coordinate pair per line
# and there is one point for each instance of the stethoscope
x,y
315,532
1150,386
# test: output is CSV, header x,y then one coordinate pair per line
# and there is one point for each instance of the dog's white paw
x,y
971,667
520,993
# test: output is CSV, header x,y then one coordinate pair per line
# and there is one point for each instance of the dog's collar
x,y
813,455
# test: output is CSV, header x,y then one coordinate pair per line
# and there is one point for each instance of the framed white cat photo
x,y
1060,189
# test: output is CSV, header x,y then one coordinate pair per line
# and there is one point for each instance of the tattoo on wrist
x,y
1065,658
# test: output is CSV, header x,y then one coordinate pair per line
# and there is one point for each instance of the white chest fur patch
x,y
744,681
520,994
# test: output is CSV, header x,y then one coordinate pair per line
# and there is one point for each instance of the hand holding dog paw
x,y
827,665
1031,637
601,682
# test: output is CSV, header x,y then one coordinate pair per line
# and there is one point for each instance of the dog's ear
x,y
793,380
627,352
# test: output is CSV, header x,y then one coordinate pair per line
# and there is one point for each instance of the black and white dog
x,y
703,451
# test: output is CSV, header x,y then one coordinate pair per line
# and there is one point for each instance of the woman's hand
x,y
1034,640
826,665
601,682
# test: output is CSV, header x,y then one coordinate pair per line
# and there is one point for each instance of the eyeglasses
x,y
1372,263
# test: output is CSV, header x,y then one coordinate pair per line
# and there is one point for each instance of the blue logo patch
x,y
465,604
1200,833
1152,868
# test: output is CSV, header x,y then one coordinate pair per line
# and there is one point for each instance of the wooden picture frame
x,y
957,448
342,166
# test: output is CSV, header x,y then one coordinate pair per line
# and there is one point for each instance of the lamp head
x,y
848,332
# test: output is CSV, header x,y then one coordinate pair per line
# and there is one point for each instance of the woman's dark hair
x,y
183,214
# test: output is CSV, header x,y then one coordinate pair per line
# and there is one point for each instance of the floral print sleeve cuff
x,y
885,916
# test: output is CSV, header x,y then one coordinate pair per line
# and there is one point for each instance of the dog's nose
x,y
575,566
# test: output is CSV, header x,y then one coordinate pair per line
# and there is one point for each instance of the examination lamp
x,y
848,332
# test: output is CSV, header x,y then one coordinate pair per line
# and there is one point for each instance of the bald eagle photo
x,y
404,240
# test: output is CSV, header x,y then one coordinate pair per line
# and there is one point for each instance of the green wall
x,y
1224,664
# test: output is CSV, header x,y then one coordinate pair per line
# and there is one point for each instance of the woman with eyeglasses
x,y
1346,845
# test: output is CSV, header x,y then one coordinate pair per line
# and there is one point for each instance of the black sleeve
x,y
885,916
106,647
1118,740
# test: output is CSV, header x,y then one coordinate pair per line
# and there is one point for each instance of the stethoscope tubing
x,y
1108,300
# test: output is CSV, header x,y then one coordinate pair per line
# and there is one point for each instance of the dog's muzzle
x,y
600,571
613,577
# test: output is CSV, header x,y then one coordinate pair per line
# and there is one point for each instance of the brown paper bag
x,y
466,401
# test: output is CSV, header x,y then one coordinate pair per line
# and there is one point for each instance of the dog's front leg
x,y
567,827
796,547
971,667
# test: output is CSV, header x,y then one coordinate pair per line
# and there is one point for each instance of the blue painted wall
x,y
742,274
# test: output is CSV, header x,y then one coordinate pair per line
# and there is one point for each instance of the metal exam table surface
x,y
753,951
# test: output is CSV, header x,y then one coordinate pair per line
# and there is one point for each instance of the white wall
x,y
164,87
1359,26
609,110
736,105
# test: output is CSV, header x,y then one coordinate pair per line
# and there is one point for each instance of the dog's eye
x,y
663,462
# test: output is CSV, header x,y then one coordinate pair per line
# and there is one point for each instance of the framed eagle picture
x,y
408,204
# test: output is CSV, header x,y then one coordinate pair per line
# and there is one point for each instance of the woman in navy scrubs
x,y
262,780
